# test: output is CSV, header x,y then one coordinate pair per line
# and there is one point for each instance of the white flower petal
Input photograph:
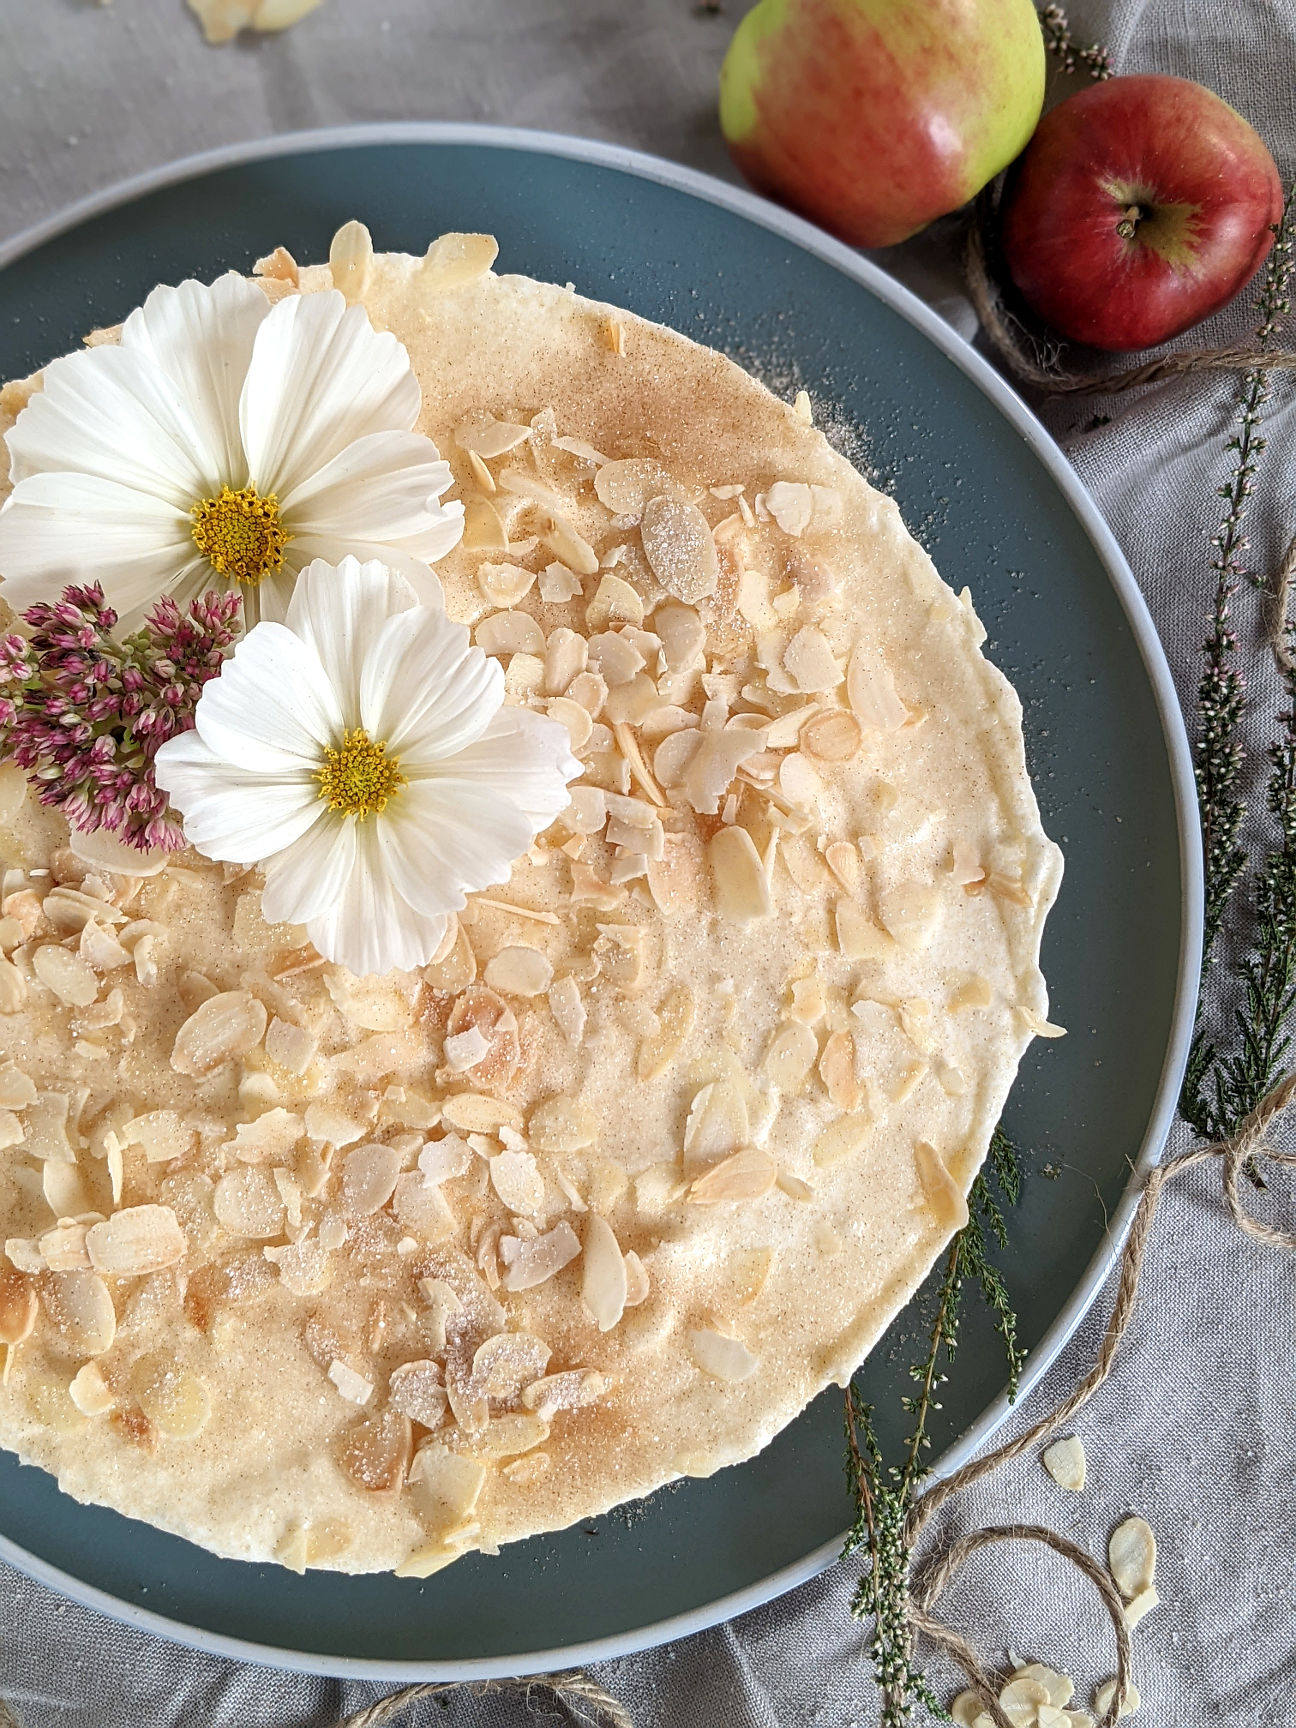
x,y
57,528
440,839
305,549
321,377
372,928
229,813
311,876
339,611
525,757
271,709
201,338
425,691
382,489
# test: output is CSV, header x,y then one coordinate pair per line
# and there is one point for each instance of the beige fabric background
x,y
1195,1431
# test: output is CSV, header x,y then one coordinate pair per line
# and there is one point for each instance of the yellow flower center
x,y
358,777
239,533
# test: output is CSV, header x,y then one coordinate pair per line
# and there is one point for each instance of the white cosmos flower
x,y
361,753
223,439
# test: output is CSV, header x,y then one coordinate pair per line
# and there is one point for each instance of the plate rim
x,y
870,276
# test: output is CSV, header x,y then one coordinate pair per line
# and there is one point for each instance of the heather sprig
x,y
85,713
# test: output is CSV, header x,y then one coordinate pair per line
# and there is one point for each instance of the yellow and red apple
x,y
873,117
1140,207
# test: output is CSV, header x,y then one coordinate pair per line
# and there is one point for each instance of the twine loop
x,y
592,1703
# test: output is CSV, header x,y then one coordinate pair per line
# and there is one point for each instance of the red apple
x,y
1140,207
873,117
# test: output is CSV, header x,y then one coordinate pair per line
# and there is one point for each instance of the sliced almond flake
x,y
71,979
566,656
516,1432
833,735
1066,1463
488,437
810,662
871,691
723,1358
1129,1703
837,1071
24,1254
504,584
614,602
679,548
270,1138
1060,1687
717,1125
136,1241
528,1264
476,1113
519,971
573,1389
1020,1701
843,860
481,473
454,260
791,504
842,1139
351,260
581,450
742,890
568,1009
638,1284
514,910
101,949
1131,1556
227,1026
910,912
352,1386
81,1307
792,1052
90,1392
369,1176
328,1124
614,335
1142,1604
625,487
484,529
571,548
745,1175
562,1124
516,1178
558,584
247,1203
70,909
967,1709
290,1047
944,1197
11,1130
1037,1024
675,1015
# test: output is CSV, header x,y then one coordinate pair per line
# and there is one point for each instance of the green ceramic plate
x,y
998,507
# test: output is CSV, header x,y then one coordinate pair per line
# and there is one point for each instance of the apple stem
x,y
1128,224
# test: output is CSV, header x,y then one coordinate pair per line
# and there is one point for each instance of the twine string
x,y
1011,341
1279,605
1250,1141
591,1702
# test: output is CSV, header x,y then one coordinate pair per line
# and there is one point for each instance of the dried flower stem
x,y
1095,59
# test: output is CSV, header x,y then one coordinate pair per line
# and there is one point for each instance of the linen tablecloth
x,y
1195,1429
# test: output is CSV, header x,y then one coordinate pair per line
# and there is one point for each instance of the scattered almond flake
x,y
519,971
278,266
562,1124
464,1050
581,450
516,1178
69,909
568,1009
744,1175
1140,1605
843,860
483,527
675,1014
476,1113
328,1124
47,1127
268,1138
1131,1556
1002,887
224,1028
837,1071
505,1436
352,1386
420,1205
64,1188
677,543
614,602
508,1361
415,1389
1129,1703
558,584
11,1130
965,865
723,1358
794,1187
162,1134
528,1264
910,912
17,1089
589,889
63,1248
810,662
135,1241
1020,1701
831,736
351,260
791,504
638,1284
1060,1687
71,978
574,1389
290,1047
1037,1024
742,890
792,1052
369,1176
485,436
1066,1463
626,487
454,260
571,548
90,1392
871,691
24,1255
802,408
514,910
247,1203
944,1197
305,1266
614,335
717,1125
